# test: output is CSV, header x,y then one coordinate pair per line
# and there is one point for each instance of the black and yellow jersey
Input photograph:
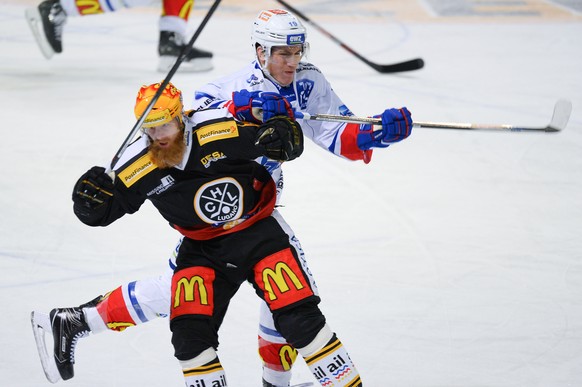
x,y
218,187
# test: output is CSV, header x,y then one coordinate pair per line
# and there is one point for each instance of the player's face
x,y
163,135
167,147
283,63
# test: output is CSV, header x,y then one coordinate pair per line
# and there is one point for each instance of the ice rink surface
x,y
454,259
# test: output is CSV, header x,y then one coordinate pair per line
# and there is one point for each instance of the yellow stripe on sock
x,y
207,369
356,382
323,352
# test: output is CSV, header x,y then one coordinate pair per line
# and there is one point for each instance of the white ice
x,y
452,260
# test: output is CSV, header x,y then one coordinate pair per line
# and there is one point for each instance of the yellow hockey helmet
x,y
168,106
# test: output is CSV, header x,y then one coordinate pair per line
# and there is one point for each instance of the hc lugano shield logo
x,y
219,201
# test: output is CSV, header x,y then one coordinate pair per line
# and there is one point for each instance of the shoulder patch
x,y
136,170
218,131
304,66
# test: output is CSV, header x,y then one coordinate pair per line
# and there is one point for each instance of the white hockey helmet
x,y
277,27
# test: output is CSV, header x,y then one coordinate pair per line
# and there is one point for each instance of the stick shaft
x,y
413,64
560,118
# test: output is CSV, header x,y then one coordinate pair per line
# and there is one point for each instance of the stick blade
x,y
561,115
409,65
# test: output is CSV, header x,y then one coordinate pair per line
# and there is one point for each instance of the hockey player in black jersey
x,y
174,160
198,170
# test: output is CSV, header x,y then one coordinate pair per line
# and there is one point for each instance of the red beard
x,y
169,156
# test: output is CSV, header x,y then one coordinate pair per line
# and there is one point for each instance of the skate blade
x,y
40,326
35,23
194,66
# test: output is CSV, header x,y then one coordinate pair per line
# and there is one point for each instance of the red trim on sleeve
x,y
231,108
349,144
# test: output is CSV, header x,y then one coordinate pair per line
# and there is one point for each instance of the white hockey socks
x,y
329,361
94,320
204,370
174,24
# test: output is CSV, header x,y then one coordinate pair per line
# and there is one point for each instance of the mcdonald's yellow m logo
x,y
190,286
287,355
88,7
279,279
119,326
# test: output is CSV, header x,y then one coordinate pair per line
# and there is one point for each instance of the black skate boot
x,y
68,326
170,47
46,22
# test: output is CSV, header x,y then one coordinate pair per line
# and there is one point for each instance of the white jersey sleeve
x,y
316,96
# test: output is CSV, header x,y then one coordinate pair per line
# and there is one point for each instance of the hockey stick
x,y
409,65
559,120
185,50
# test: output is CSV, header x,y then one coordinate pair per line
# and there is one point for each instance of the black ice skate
x,y
46,23
170,47
66,326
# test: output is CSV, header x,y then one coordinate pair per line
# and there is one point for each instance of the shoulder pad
x,y
215,131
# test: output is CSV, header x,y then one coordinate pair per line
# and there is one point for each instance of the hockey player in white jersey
x,y
48,19
278,39
279,42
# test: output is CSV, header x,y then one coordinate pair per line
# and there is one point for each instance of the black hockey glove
x,y
280,138
92,195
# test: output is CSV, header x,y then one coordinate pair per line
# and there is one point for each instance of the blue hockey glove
x,y
396,126
260,106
